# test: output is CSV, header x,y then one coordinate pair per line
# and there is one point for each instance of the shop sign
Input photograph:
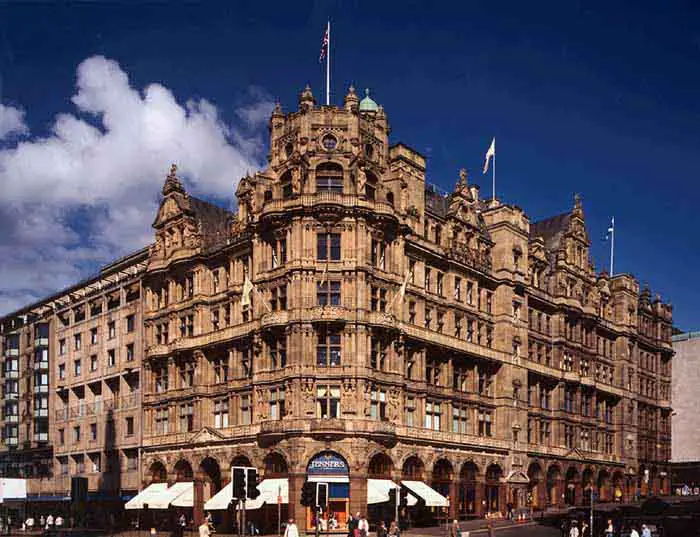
x,y
327,464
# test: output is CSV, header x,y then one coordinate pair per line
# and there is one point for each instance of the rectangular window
x,y
489,302
378,299
279,253
470,293
111,330
328,293
377,355
220,370
161,379
186,418
111,358
215,318
130,352
278,352
278,298
77,370
129,426
93,336
460,419
62,347
427,279
161,419
189,285
458,326
485,423
277,402
328,246
378,254
77,340
93,431
432,415
76,434
130,323
220,413
545,432
327,401
186,374
93,363
61,371
440,278
410,411
428,318
458,289
328,348
61,437
378,404
245,409
412,312
440,321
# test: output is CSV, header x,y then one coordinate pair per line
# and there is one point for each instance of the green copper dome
x,y
367,104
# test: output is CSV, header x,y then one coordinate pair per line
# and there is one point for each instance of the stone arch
x,y
182,471
413,468
572,483
241,460
442,476
380,466
275,465
469,498
157,472
553,484
618,484
492,487
535,491
604,485
210,475
588,484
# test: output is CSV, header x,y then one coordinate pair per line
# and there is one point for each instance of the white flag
x,y
490,153
247,289
398,297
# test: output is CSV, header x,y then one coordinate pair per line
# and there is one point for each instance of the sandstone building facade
x,y
350,312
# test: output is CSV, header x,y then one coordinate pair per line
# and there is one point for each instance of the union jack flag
x,y
324,44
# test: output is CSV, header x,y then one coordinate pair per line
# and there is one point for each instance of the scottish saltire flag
x,y
324,44
611,230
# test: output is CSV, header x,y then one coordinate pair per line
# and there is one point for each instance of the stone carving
x,y
296,180
394,405
361,180
307,397
349,397
403,198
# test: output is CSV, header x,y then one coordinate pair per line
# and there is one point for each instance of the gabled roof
x,y
551,230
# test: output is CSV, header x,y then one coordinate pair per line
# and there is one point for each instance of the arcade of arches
x,y
475,486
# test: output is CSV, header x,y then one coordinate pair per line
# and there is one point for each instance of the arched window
x,y
390,198
329,178
286,183
371,186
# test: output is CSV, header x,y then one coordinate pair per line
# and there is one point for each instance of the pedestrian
x,y
363,526
609,531
564,528
182,524
356,529
204,530
49,522
646,532
394,530
351,525
573,531
455,530
59,522
381,529
29,523
584,530
634,532
509,509
291,530
42,522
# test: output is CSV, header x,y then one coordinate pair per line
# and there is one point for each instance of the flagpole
x,y
612,248
328,66
493,180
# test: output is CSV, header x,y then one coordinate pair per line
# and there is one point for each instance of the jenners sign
x,y
327,463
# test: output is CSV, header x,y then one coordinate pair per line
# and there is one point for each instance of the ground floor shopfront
x,y
474,483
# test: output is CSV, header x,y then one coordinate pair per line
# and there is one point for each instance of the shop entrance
x,y
330,468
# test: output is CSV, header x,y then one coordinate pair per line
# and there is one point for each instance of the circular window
x,y
329,142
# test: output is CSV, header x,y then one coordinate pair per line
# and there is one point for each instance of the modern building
x,y
349,323
685,453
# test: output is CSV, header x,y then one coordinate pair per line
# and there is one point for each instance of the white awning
x,y
431,497
328,479
13,489
164,499
378,491
269,490
184,498
146,496
220,500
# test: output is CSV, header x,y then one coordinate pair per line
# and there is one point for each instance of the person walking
x,y
455,530
352,524
584,529
573,531
49,522
363,526
394,530
204,530
646,532
634,532
291,530
609,531
381,529
59,522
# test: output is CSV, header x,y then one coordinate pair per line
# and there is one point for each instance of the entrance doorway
x,y
330,468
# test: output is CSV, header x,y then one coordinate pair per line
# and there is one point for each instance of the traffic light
x,y
403,497
321,495
307,493
251,484
392,496
239,486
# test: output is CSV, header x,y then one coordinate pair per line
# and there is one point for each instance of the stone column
x,y
453,494
198,500
296,510
479,498
358,492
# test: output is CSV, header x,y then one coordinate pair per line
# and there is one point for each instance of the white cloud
x,y
88,192
11,121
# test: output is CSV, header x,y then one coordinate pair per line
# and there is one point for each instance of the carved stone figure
x,y
296,180
361,180
403,198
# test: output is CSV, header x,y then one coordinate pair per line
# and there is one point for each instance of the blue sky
x,y
583,97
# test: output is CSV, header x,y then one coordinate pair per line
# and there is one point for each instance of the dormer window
x,y
329,142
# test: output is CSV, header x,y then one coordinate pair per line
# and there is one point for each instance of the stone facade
x,y
348,306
